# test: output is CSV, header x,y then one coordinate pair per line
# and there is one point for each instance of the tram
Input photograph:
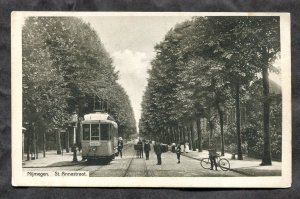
x,y
99,137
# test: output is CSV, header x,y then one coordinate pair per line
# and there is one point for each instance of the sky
x,y
130,41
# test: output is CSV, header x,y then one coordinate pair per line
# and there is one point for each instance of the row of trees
x,y
64,67
202,67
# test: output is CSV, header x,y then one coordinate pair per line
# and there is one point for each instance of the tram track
x,y
133,167
100,166
130,162
130,165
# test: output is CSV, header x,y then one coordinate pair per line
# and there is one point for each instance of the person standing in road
x,y
120,146
140,148
147,148
158,152
178,152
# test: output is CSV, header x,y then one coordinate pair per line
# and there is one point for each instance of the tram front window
x,y
95,131
86,131
104,131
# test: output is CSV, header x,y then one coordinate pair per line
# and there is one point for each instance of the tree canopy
x,y
205,64
64,66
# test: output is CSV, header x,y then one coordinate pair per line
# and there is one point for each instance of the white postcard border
x,y
240,182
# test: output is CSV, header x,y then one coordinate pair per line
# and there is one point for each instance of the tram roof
x,y
98,116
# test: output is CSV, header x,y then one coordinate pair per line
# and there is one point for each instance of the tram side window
x,y
95,131
86,131
104,131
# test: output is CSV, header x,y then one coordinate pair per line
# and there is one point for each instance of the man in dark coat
x,y
178,152
120,146
147,148
140,149
212,156
158,152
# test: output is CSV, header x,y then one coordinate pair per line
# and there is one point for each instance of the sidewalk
x,y
52,159
248,166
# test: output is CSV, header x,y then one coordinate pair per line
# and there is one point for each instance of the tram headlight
x,y
94,149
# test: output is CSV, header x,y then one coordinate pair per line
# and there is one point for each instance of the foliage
x,y
209,61
64,66
254,132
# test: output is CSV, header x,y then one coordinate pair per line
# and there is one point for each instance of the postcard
x,y
151,99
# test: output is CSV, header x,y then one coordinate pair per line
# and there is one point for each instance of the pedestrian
x,y
187,148
158,152
212,157
178,152
147,148
140,148
120,146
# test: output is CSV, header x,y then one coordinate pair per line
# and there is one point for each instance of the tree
x,y
64,66
265,33
203,64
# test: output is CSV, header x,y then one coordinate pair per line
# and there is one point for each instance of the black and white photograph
x,y
131,99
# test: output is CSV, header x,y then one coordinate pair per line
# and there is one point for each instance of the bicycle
x,y
223,163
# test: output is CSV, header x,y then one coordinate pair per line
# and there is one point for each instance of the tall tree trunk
x,y
171,133
192,135
211,130
238,121
198,122
174,134
222,131
184,134
44,144
179,134
68,141
168,134
37,146
58,143
189,136
28,141
266,159
34,142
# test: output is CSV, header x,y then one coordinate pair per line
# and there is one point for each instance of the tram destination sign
x,y
95,143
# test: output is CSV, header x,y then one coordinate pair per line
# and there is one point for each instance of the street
x,y
131,166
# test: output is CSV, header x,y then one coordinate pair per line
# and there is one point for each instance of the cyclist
x,y
212,156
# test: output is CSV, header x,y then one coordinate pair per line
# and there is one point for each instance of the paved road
x,y
131,166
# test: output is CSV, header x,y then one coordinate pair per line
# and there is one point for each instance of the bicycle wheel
x,y
224,164
205,163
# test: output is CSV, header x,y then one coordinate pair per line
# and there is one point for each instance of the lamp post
x,y
67,140
74,121
221,111
58,142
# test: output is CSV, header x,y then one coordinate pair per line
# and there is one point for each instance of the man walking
x,y
140,148
158,151
178,152
147,148
120,146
